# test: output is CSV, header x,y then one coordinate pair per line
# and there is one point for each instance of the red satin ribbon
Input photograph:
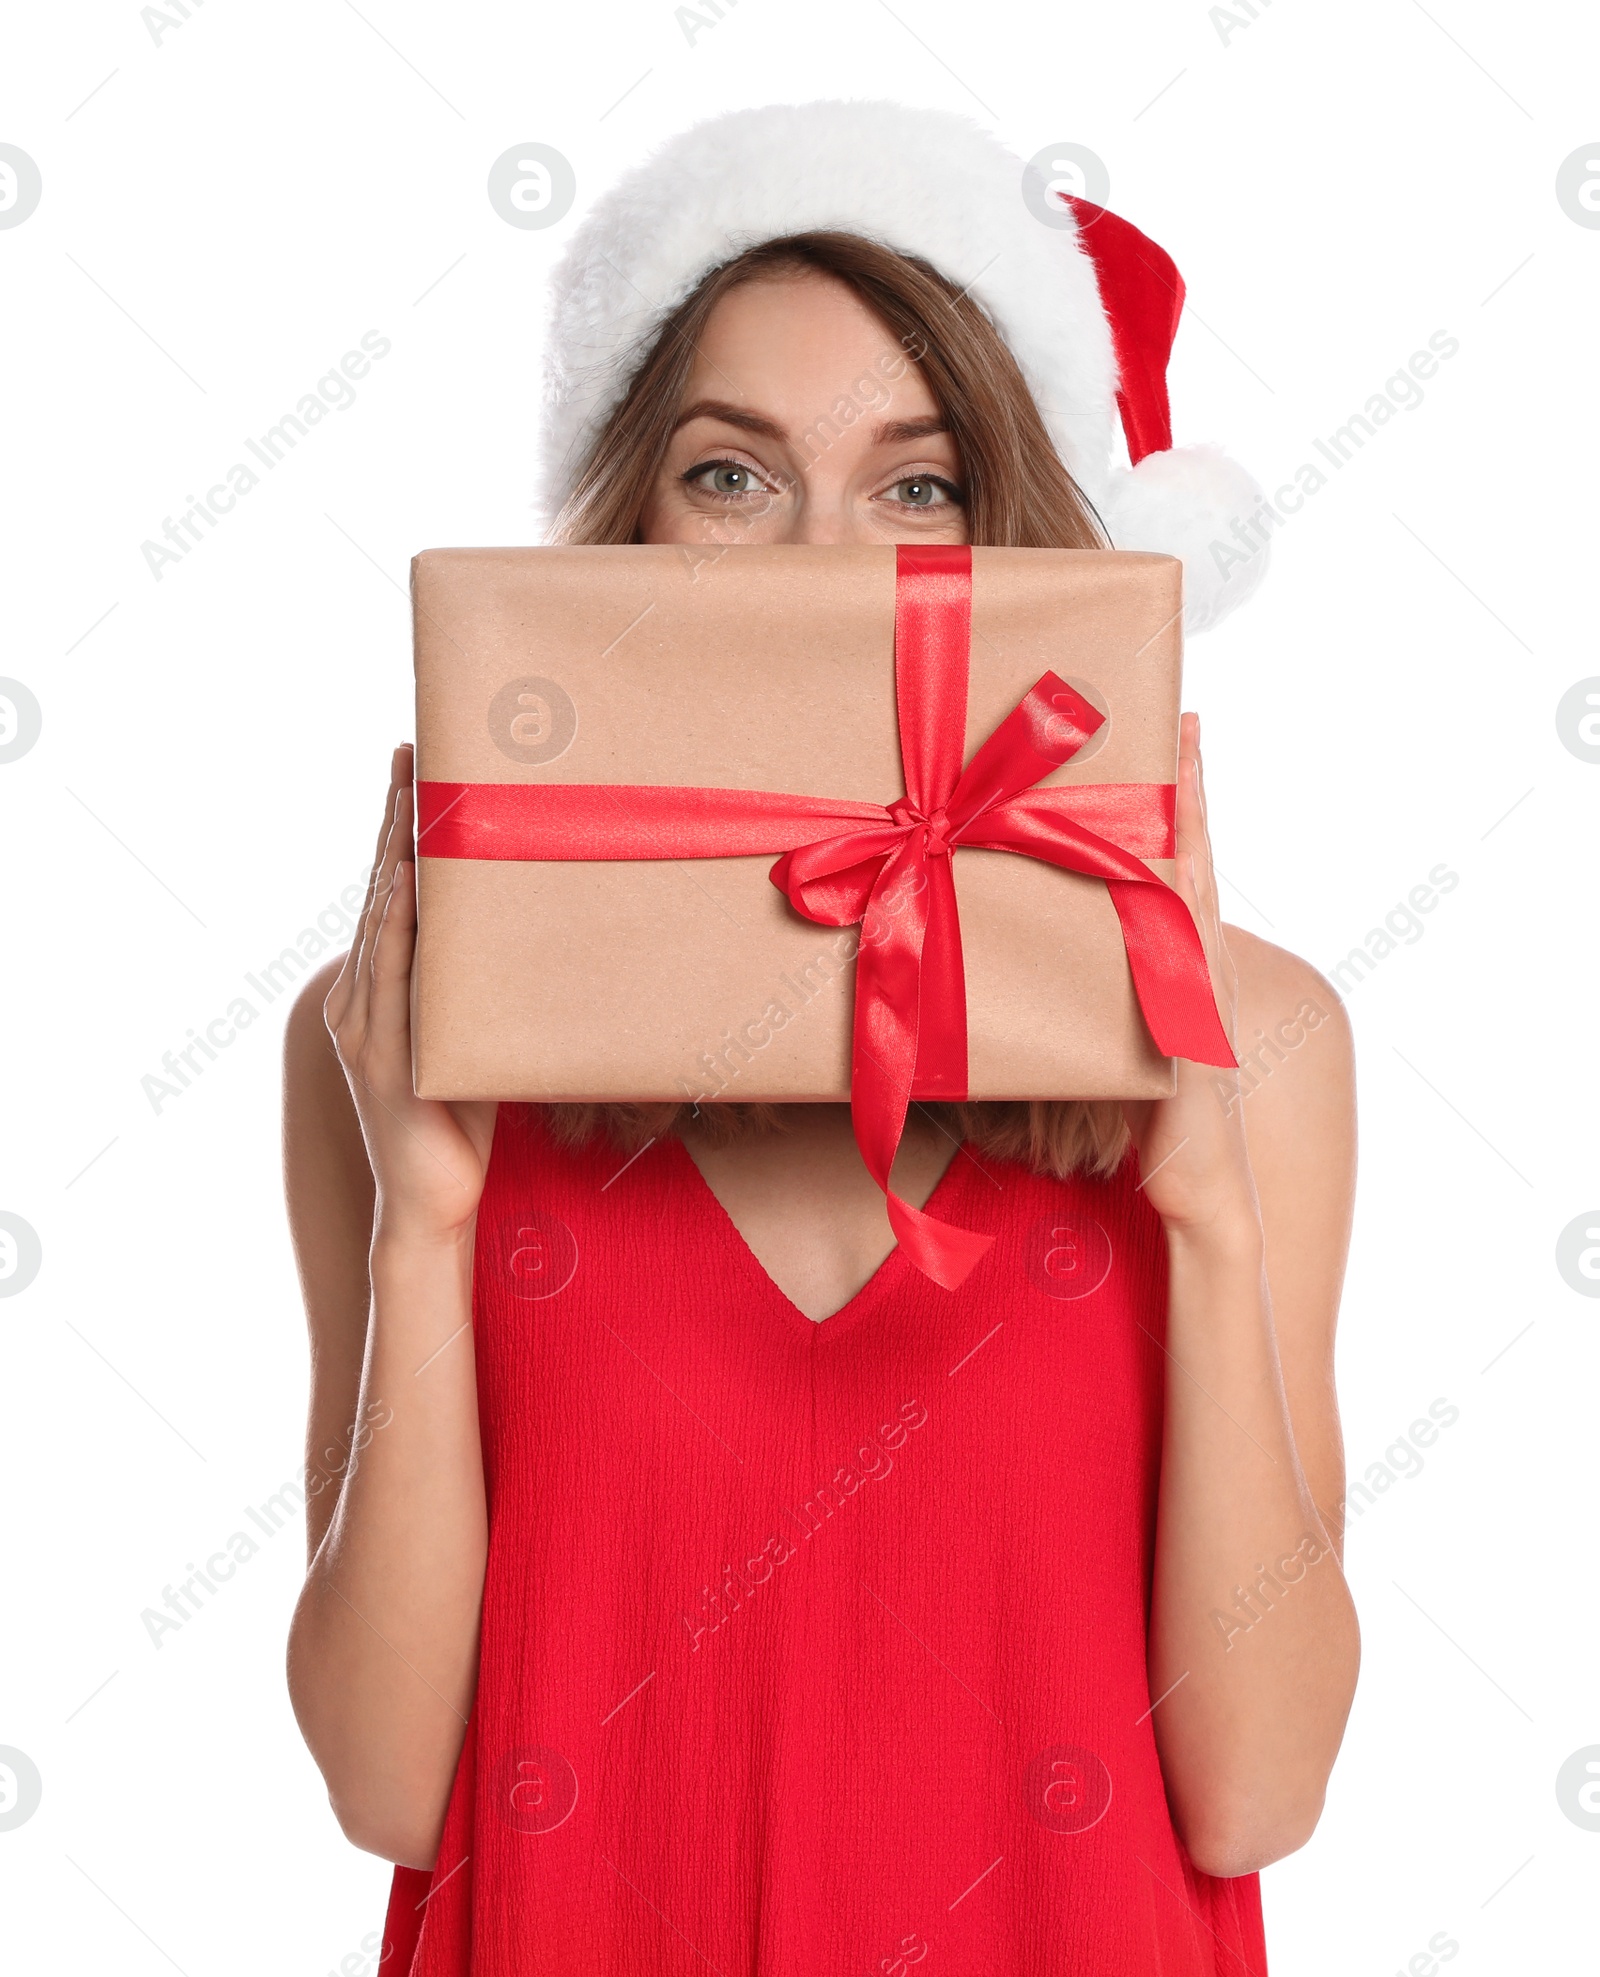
x,y
888,869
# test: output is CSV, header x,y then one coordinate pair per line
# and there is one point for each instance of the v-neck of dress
x,y
883,1279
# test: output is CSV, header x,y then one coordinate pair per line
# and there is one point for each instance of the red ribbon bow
x,y
888,868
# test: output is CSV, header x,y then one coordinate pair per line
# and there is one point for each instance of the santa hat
x,y
1086,303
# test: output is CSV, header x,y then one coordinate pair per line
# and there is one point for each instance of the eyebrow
x,y
896,432
730,415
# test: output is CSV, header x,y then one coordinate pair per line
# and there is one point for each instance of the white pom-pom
x,y
1196,503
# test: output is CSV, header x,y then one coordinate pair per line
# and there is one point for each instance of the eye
x,y
924,491
728,478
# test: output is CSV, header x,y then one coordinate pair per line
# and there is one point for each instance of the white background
x,y
222,219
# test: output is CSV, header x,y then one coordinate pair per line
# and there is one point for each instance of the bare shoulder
x,y
1297,1092
1289,1010
1267,971
307,1046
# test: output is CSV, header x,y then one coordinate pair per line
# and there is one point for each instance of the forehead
x,y
791,342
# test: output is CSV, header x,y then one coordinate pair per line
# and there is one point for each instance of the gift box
x,y
614,951
797,823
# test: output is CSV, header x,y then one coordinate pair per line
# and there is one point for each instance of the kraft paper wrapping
x,y
765,669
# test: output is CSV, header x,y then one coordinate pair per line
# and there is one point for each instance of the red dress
x,y
813,1650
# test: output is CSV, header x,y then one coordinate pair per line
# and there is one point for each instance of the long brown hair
x,y
1018,495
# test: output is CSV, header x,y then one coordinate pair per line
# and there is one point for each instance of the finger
x,y
395,780
336,1006
396,846
1191,891
1188,827
386,1062
1200,785
1190,883
1209,866
1188,735
1202,904
408,795
1183,881
1185,815
1191,830
389,1027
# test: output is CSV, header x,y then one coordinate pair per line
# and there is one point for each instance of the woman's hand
x,y
1191,1146
428,1158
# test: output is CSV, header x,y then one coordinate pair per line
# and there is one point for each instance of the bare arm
x,y
1253,1642
383,1190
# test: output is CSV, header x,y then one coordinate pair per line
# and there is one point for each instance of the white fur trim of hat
x,y
1088,305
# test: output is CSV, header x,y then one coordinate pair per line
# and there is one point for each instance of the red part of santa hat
x,y
1142,293
1089,309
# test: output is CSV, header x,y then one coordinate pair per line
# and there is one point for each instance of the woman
x,y
1076,1665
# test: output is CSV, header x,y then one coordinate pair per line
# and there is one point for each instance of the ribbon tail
x,y
1166,956
1171,976
884,1062
939,1250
